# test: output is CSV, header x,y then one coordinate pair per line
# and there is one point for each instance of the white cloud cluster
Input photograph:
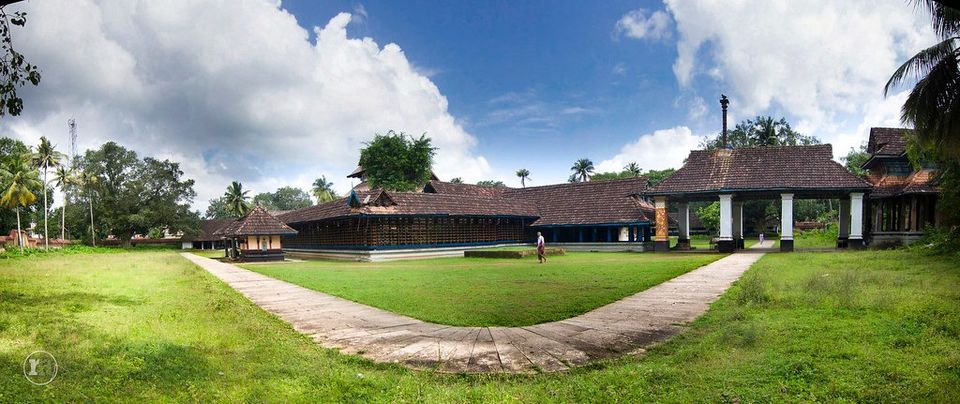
x,y
823,63
639,25
232,89
665,148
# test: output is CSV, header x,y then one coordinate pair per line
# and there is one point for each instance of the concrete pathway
x,y
627,326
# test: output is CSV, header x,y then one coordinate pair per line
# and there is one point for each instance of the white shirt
x,y
540,241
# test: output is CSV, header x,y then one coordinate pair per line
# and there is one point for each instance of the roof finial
x,y
723,105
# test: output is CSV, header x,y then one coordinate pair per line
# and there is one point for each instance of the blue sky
x,y
279,93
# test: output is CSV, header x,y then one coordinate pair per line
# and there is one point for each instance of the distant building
x,y
904,199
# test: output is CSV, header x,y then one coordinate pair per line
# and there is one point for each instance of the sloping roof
x,y
771,168
419,203
440,187
920,182
208,228
888,141
591,202
256,223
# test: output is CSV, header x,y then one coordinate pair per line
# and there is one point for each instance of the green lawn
x,y
490,292
149,326
208,253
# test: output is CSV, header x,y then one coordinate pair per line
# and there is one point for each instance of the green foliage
x,y
397,162
611,176
134,195
632,170
761,131
285,198
656,176
491,183
217,209
236,200
582,170
323,190
524,175
456,180
14,152
15,71
709,216
856,158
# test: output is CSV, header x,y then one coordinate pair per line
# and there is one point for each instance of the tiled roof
x,y
594,202
256,223
920,182
887,141
773,168
208,228
591,202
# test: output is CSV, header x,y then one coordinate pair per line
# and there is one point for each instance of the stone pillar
x,y
661,241
683,226
856,220
725,242
843,223
786,222
738,225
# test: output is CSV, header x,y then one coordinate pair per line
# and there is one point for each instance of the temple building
x,y
255,237
904,198
445,218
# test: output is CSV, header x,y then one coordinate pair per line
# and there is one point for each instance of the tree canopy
x,y
135,195
284,198
15,71
491,183
760,131
397,162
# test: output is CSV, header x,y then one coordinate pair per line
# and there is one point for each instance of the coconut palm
x,y
633,168
933,104
89,181
63,178
236,199
45,157
19,181
582,169
524,175
323,190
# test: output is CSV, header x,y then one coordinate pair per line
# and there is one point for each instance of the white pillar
x,y
856,216
786,217
726,217
683,221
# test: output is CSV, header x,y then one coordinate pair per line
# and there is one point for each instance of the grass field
x,y
149,326
489,292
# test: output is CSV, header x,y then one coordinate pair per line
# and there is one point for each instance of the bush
x,y
940,241
15,252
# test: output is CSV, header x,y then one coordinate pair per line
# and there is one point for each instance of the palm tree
x,y
63,178
582,169
633,168
89,182
45,157
323,190
456,180
236,199
933,104
524,175
19,180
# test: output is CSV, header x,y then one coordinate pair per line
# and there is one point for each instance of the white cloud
x,y
823,62
231,89
664,148
638,25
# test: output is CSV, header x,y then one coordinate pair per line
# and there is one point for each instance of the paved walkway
x,y
626,326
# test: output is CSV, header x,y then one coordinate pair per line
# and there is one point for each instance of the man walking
x,y
541,248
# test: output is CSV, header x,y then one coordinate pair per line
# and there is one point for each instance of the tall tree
x,y
236,199
524,175
655,176
582,169
633,168
456,180
397,162
89,181
20,181
932,106
761,131
217,209
139,194
14,69
63,178
45,157
323,190
855,158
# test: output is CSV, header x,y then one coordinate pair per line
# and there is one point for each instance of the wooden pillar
x,y
737,212
786,222
662,239
683,226
843,223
